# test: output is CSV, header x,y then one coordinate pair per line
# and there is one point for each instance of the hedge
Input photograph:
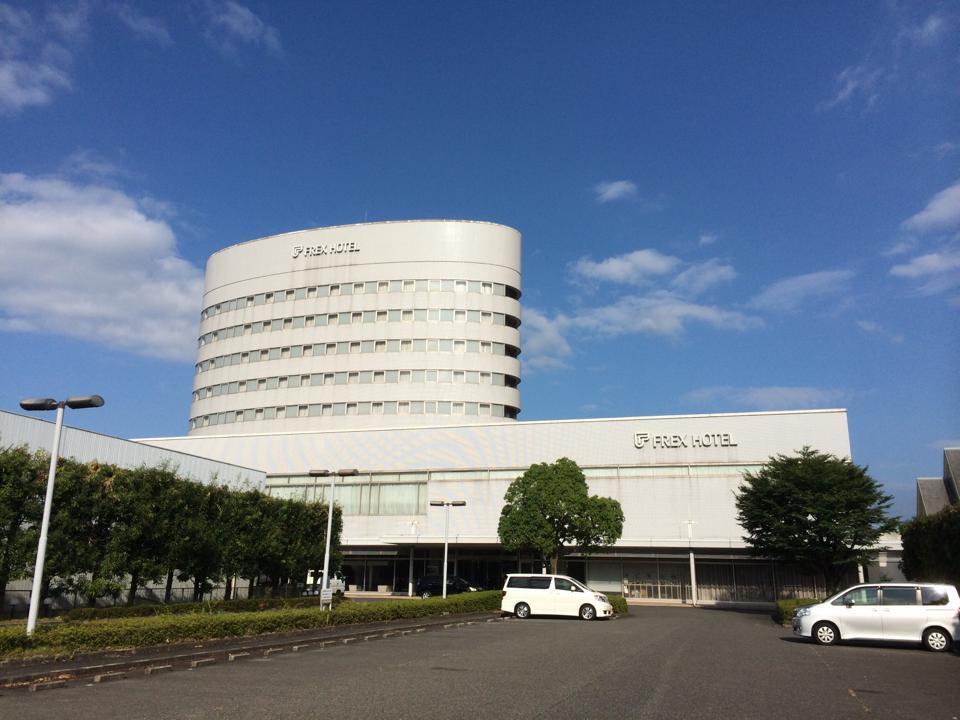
x,y
619,604
164,629
783,613
214,606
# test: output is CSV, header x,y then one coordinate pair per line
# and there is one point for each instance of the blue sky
x,y
725,206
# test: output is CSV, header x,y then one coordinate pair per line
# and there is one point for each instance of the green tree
x,y
816,510
549,508
931,547
82,522
22,485
143,531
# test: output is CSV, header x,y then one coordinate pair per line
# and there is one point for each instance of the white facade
x,y
661,488
372,325
85,446
676,478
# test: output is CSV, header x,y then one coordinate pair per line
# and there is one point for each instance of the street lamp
x,y
446,530
37,404
332,474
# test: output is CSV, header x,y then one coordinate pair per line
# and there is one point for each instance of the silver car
x,y
924,613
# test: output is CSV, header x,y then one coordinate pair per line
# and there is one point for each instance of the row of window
x,y
362,377
365,499
361,288
344,409
358,317
359,346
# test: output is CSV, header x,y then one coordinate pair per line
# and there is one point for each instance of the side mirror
x,y
848,603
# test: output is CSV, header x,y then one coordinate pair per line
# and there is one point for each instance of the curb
x,y
147,667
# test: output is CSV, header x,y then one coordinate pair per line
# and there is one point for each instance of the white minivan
x,y
526,594
907,612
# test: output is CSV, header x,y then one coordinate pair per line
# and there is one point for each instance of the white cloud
x,y
942,212
708,238
232,25
544,345
614,190
872,327
927,33
700,277
855,82
945,148
765,398
658,313
635,268
940,271
34,55
790,293
91,262
901,247
144,26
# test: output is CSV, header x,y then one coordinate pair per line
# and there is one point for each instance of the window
x,y
899,596
934,596
858,596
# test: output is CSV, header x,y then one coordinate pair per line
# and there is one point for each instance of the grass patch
x,y
83,636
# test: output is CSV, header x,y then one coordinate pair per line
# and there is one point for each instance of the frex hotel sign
x,y
324,249
671,442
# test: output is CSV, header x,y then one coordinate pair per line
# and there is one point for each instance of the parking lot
x,y
655,663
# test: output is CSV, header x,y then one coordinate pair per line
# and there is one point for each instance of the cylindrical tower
x,y
374,325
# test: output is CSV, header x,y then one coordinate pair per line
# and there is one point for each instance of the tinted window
x,y
859,596
561,584
934,596
539,583
518,582
900,596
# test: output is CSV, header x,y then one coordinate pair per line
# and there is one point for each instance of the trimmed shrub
x,y
619,604
168,628
216,606
783,613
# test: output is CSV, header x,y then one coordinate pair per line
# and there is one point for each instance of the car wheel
x,y
588,612
826,633
936,640
425,594
522,611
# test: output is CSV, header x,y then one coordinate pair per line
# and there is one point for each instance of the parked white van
x,y
526,595
907,612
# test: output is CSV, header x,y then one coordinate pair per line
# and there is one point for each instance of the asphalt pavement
x,y
655,663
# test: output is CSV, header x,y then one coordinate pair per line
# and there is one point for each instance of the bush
x,y
619,604
171,628
784,610
215,606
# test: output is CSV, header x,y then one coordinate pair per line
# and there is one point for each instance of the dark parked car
x,y
433,585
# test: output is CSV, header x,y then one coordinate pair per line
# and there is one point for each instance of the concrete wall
x,y
288,281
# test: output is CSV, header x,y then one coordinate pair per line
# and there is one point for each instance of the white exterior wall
x,y
660,488
307,263
86,446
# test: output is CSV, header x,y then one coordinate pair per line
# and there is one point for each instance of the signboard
x,y
664,442
326,596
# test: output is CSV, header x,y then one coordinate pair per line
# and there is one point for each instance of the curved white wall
x,y
389,324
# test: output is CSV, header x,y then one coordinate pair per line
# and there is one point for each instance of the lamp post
x,y
326,554
446,531
39,404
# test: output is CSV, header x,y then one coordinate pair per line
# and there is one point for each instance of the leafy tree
x,y
549,508
22,486
816,510
82,522
931,547
199,550
143,530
